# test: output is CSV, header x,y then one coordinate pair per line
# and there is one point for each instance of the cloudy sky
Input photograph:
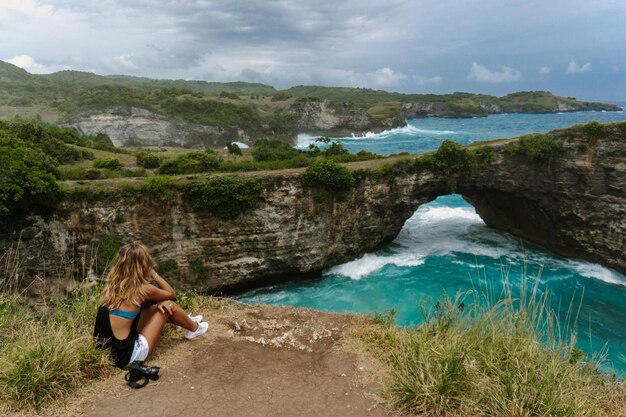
x,y
571,47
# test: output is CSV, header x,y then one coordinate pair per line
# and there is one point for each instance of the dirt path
x,y
257,361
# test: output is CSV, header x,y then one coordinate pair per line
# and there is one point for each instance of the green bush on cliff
x,y
148,160
273,150
225,197
27,178
537,146
191,163
327,174
108,247
450,159
108,163
594,129
161,185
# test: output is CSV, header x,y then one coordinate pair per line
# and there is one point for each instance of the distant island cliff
x,y
137,111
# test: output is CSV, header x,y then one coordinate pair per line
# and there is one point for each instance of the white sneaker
x,y
197,319
202,328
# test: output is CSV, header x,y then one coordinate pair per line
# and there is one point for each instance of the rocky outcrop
x,y
291,233
573,204
133,126
317,116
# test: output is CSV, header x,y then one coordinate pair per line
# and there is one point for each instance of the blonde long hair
x,y
128,276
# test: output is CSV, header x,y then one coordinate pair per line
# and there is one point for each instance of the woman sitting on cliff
x,y
133,310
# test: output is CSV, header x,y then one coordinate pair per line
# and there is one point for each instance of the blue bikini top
x,y
130,315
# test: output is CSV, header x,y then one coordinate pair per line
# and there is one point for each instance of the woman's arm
x,y
161,291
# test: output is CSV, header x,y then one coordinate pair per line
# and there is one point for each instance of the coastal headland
x,y
565,190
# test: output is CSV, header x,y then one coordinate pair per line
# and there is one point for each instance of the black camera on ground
x,y
137,371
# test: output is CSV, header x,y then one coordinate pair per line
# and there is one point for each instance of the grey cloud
x,y
396,44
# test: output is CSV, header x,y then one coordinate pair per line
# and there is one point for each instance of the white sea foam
x,y
372,262
303,140
408,130
599,272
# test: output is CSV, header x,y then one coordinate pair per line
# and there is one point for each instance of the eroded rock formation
x,y
133,126
573,204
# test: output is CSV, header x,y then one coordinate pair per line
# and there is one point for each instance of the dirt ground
x,y
255,361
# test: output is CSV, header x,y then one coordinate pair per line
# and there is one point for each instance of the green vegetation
x,y
273,150
27,178
234,149
161,185
537,146
42,359
200,271
167,268
108,247
192,162
108,163
225,197
594,129
327,174
483,359
257,107
148,160
453,159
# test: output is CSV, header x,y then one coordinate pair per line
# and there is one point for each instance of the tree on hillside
x,y
233,149
27,183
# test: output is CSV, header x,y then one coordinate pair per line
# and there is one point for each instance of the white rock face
x,y
132,126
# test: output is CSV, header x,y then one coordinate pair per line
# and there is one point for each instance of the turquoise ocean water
x,y
445,248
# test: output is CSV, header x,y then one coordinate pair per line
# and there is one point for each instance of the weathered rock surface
x,y
337,118
573,204
133,126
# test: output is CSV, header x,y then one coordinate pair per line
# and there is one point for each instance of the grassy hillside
x,y
244,105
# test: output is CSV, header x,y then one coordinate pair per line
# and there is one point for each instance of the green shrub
x,y
161,185
167,267
48,357
329,175
225,197
232,96
233,149
148,160
248,165
200,271
538,146
108,247
272,150
126,173
335,149
191,163
72,173
594,129
281,96
108,163
27,178
93,174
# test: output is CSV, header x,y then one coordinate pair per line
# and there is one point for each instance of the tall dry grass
x,y
503,356
47,354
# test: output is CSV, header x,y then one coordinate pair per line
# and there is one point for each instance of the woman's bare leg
x,y
152,321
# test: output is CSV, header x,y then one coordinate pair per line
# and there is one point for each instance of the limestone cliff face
x,y
573,204
337,118
132,126
291,233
